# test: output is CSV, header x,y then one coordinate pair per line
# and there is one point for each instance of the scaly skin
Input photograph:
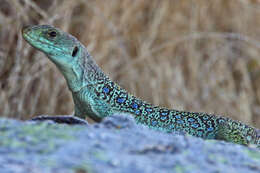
x,y
96,96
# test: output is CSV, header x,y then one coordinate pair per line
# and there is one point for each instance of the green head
x,y
68,54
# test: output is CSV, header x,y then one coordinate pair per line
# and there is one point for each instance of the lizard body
x,y
96,96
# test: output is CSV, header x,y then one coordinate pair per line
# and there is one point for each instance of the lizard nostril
x,y
26,28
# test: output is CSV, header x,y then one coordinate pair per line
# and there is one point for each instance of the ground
x,y
117,144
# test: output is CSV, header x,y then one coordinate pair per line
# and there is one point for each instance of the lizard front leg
x,y
67,119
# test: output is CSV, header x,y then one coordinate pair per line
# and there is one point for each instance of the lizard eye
x,y
52,34
75,51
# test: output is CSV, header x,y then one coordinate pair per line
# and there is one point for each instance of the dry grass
x,y
190,55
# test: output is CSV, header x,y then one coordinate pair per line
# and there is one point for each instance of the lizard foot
x,y
71,120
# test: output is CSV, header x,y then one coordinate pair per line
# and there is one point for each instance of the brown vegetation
x,y
190,55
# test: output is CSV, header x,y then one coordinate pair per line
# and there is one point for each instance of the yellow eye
x,y
52,34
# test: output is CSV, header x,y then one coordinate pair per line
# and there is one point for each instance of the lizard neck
x,y
84,73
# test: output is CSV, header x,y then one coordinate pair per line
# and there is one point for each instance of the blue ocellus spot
x,y
164,113
134,105
149,109
172,126
163,118
154,123
120,100
180,121
178,116
137,111
210,129
191,119
195,125
106,90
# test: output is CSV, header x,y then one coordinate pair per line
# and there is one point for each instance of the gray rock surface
x,y
115,145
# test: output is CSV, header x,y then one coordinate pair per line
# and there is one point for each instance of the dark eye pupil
x,y
52,34
75,51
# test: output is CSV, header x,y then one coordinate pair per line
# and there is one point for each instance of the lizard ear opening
x,y
75,51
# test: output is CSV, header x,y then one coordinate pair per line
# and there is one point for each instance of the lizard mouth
x,y
36,43
25,32
28,36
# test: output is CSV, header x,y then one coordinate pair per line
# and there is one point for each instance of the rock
x,y
115,145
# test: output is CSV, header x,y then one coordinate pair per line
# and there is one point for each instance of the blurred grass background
x,y
196,55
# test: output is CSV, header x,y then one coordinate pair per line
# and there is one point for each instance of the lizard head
x,y
63,49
